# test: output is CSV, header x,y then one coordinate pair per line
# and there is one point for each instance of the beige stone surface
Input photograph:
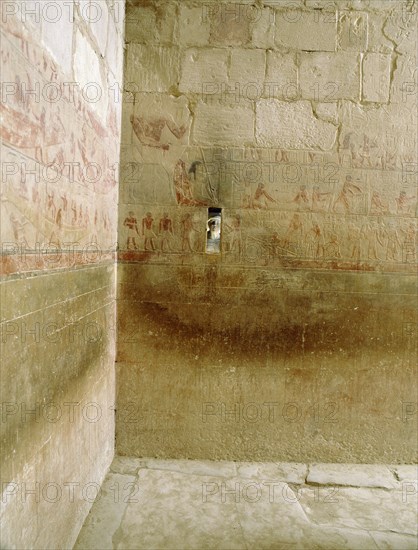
x,y
115,494
292,126
204,69
282,79
247,67
290,472
194,26
224,412
327,111
215,124
362,475
306,30
58,291
376,77
296,342
340,507
328,77
353,31
191,515
88,74
175,507
263,28
99,24
230,24
152,69
151,24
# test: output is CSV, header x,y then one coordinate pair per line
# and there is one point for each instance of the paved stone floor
x,y
182,504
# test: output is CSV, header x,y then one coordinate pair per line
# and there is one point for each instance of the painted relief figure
x,y
370,238
149,130
166,232
132,224
409,245
377,205
319,201
147,231
393,244
348,190
50,205
403,203
354,235
301,198
294,231
18,227
314,241
183,186
235,236
187,230
332,248
261,197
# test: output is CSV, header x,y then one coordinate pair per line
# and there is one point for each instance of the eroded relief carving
x,y
59,159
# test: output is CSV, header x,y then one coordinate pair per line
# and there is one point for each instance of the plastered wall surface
x,y
297,341
61,66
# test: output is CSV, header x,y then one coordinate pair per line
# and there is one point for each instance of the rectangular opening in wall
x,y
213,231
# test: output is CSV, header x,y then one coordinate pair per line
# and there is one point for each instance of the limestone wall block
x,y
314,30
376,77
292,126
221,124
152,68
328,77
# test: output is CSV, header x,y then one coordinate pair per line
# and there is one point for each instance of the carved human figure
x,y
149,130
50,204
354,235
18,228
349,189
393,244
301,198
166,232
319,200
235,235
74,211
332,248
370,236
183,186
187,229
132,224
409,244
148,232
58,218
402,203
314,241
294,231
261,197
377,205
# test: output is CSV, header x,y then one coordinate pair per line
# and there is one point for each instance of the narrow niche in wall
x,y
213,233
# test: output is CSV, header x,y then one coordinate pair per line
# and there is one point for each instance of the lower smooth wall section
x,y
311,366
58,384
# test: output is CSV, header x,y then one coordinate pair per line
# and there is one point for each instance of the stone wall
x,y
61,71
297,340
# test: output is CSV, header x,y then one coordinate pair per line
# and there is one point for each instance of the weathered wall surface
x,y
297,341
59,186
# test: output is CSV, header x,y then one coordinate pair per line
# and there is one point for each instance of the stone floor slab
x,y
106,514
360,508
195,467
354,475
290,472
126,465
406,472
394,541
172,513
183,504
